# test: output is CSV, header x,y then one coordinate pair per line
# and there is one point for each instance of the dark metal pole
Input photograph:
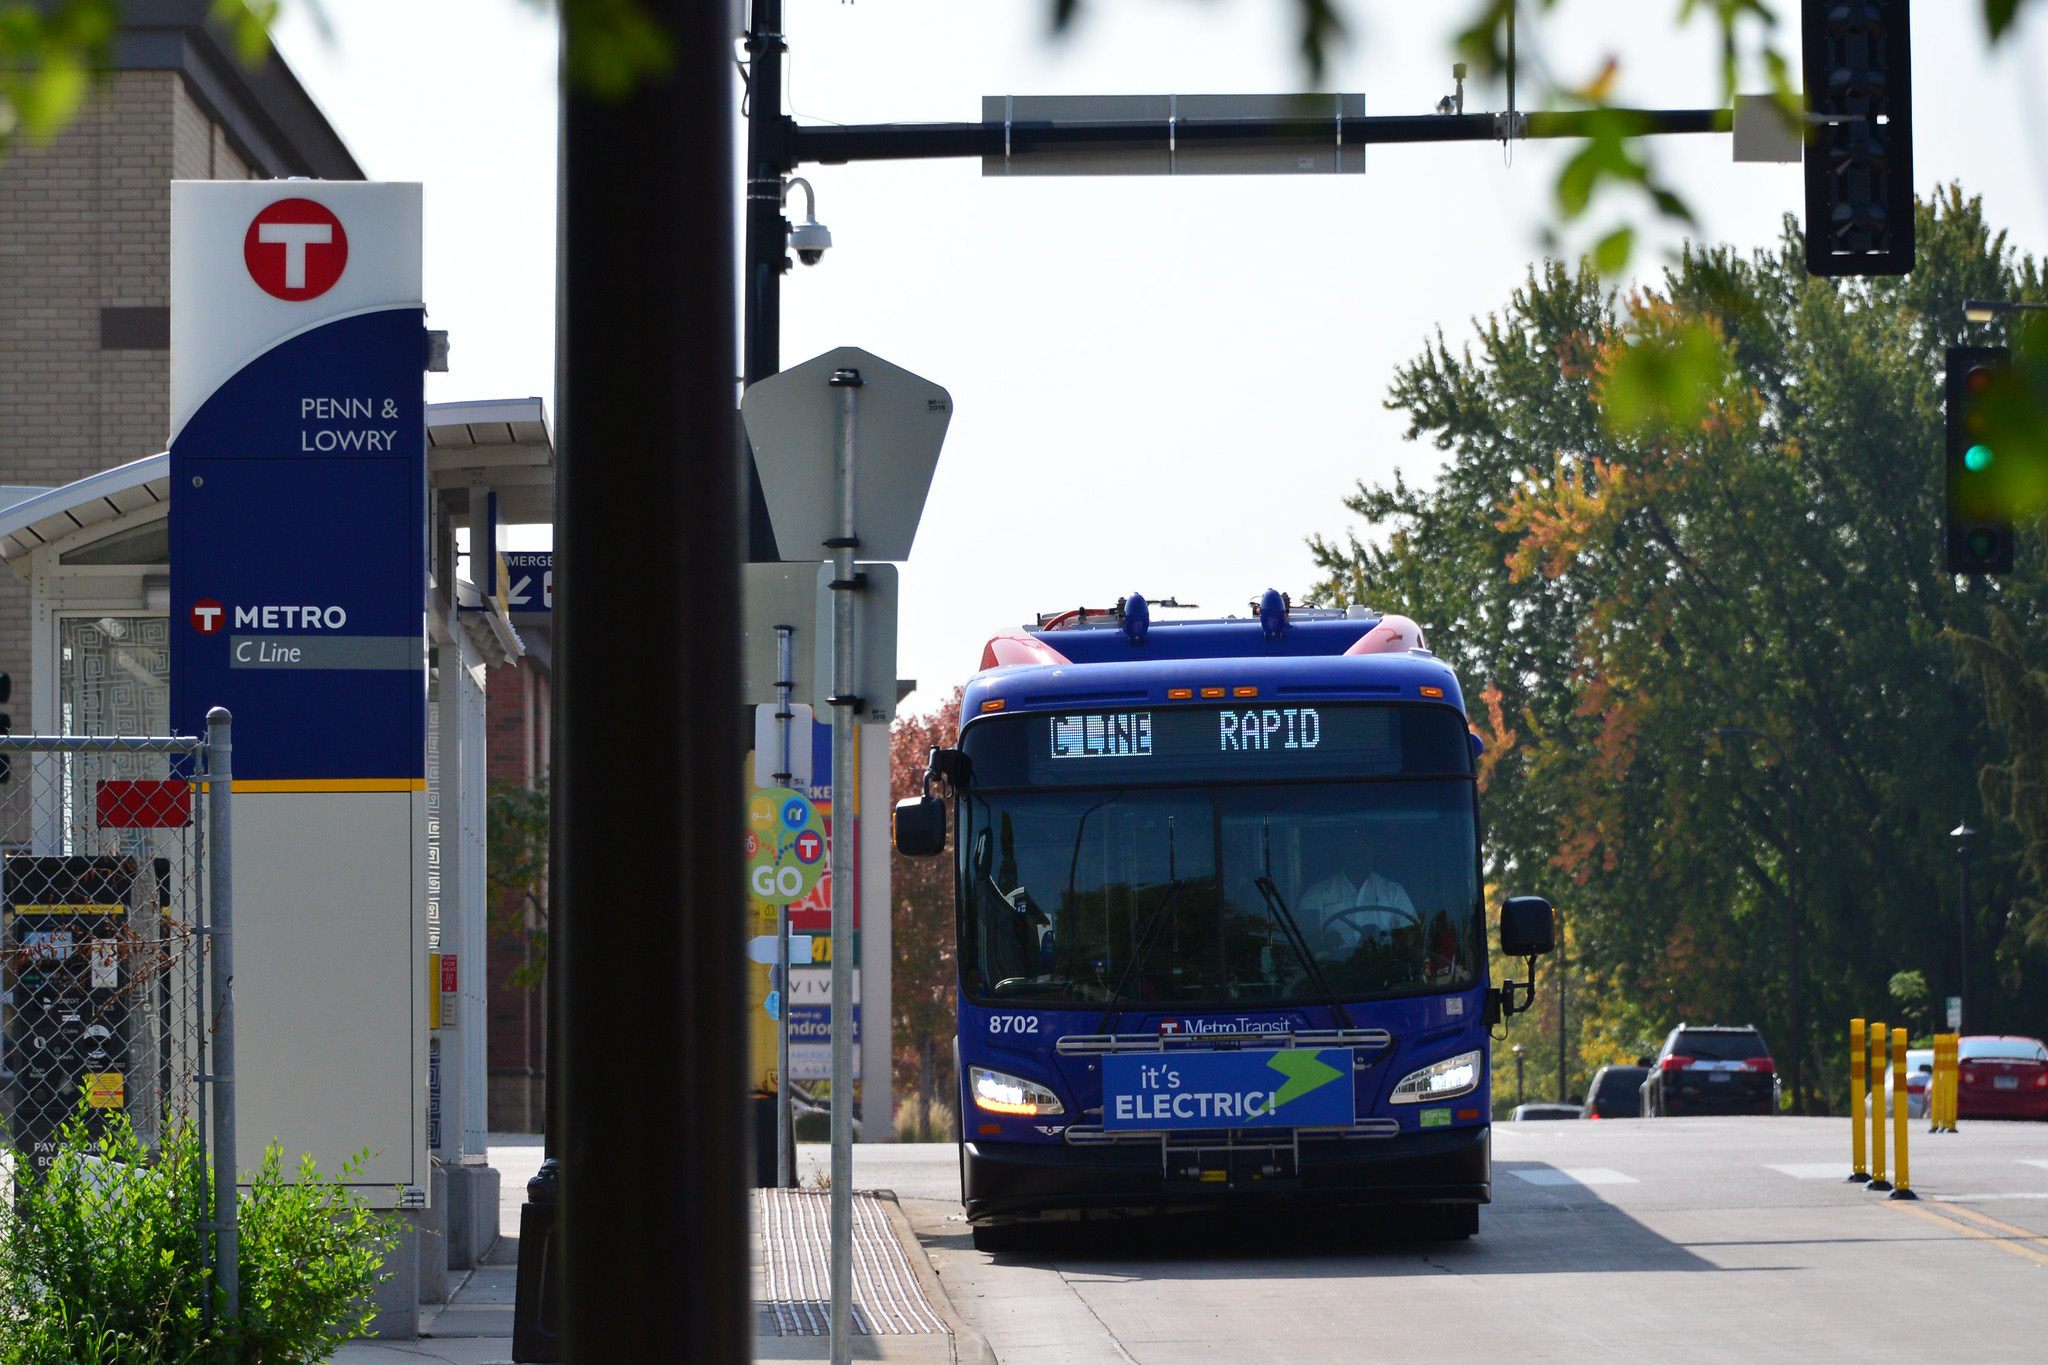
x,y
1512,7
220,825
1962,834
768,161
765,259
1560,1020
653,1131
769,158
1793,912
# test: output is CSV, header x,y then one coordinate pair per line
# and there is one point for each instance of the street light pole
x,y
1796,827
1560,1020
1963,834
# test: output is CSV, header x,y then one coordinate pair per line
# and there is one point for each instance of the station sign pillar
x,y
298,524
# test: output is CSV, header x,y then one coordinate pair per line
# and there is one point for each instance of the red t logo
x,y
207,616
295,249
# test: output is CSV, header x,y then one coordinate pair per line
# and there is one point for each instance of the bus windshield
x,y
1195,895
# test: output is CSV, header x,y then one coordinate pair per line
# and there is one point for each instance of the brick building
x,y
85,371
516,740
85,247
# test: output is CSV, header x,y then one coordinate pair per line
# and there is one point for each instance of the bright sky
x,y
1161,386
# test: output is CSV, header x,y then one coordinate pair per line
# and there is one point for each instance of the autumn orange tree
x,y
921,901
1712,647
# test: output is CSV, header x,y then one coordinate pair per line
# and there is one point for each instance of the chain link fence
x,y
104,1005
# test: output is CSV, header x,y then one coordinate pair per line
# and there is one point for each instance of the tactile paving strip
x,y
796,1231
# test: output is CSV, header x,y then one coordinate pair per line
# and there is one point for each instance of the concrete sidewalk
x,y
788,1257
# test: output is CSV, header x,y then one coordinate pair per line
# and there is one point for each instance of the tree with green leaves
x,y
516,833
1708,636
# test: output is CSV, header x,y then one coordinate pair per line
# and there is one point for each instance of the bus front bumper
x,y
1007,1181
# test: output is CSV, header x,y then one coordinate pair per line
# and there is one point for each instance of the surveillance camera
x,y
811,240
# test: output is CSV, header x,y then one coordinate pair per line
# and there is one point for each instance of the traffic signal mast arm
x,y
838,144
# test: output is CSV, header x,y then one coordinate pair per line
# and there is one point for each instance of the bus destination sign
x,y
1238,743
1128,734
1114,734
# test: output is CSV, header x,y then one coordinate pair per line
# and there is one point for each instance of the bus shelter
x,y
96,556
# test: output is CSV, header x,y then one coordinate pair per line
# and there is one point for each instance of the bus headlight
x,y
1001,1093
1445,1080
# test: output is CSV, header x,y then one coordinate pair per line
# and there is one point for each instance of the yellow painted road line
x,y
1985,1218
1939,1216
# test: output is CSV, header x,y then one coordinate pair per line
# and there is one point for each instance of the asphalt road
x,y
1666,1239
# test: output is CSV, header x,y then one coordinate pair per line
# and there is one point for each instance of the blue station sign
x,y
529,580
298,480
1284,1088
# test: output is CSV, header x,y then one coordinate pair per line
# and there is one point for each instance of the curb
x,y
969,1346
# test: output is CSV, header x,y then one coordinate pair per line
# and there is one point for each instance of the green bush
x,y
102,1257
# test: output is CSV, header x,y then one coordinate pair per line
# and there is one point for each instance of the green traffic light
x,y
1977,459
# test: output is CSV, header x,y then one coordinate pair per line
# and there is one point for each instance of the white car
x,y
1919,1075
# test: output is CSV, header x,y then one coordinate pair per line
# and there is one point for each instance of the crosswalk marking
x,y
1589,1175
1811,1170
1979,1198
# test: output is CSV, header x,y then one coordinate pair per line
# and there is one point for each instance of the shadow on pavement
x,y
1595,1236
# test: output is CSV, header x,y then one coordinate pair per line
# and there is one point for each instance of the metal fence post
x,y
221,920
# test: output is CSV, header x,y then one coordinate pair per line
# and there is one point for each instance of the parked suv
x,y
1705,1069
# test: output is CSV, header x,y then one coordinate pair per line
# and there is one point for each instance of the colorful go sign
x,y
786,846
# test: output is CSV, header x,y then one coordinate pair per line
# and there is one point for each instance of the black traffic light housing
x,y
1978,522
1859,161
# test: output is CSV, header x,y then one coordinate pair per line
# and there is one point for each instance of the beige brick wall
x,y
85,225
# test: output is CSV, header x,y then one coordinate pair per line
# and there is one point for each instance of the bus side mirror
x,y
1528,927
921,826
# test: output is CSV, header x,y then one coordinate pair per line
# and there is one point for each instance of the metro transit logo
x,y
208,616
295,249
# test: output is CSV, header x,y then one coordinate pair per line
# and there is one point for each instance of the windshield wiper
x,y
1144,940
1291,929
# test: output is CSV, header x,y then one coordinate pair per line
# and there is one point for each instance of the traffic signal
x,y
1979,469
1859,163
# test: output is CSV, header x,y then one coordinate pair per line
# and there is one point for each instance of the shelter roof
x,y
503,445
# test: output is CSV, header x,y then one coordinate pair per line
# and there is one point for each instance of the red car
x,y
2002,1078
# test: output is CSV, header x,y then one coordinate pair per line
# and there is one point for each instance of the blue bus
x,y
1220,921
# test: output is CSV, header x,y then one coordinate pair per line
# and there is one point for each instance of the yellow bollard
x,y
1953,1053
1937,1105
1878,1042
1934,1087
1905,1180
1859,1048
